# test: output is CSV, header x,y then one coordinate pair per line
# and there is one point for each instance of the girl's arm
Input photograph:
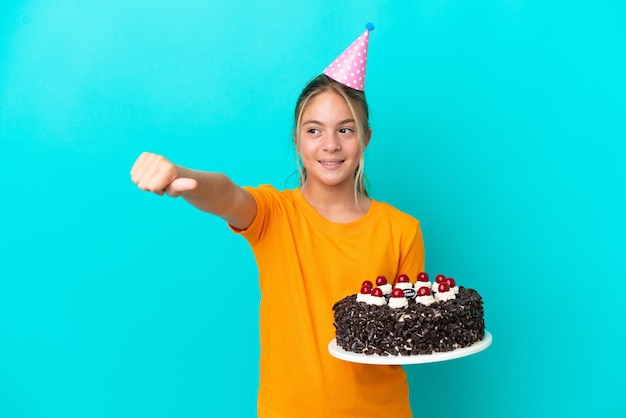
x,y
211,192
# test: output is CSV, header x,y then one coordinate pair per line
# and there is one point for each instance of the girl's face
x,y
329,143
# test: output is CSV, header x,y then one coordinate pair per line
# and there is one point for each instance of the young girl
x,y
313,245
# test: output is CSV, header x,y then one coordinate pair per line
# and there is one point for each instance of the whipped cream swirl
x,y
386,289
376,300
404,285
398,303
419,284
425,300
363,297
443,296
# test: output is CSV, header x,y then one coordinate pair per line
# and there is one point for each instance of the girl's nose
x,y
332,143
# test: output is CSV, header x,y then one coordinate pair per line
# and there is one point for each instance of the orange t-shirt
x,y
306,264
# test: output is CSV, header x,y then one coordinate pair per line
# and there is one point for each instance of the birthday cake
x,y
409,318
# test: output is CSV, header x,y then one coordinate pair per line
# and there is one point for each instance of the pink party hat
x,y
349,67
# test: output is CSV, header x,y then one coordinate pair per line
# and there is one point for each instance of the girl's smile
x,y
331,165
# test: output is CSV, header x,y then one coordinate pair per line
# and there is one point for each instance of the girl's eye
x,y
313,131
346,130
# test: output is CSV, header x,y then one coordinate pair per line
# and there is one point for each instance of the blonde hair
x,y
357,104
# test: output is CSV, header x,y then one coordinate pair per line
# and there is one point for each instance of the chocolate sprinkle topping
x,y
416,329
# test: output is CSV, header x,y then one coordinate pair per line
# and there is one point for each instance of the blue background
x,y
499,124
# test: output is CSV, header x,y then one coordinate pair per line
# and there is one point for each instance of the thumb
x,y
180,185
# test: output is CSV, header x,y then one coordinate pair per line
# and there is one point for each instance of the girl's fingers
x,y
139,166
153,173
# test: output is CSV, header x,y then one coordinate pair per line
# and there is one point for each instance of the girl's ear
x,y
368,136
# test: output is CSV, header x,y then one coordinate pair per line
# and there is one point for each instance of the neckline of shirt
x,y
335,228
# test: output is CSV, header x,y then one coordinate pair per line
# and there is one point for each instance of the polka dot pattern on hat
x,y
349,67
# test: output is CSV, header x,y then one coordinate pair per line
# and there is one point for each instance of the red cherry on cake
x,y
423,291
367,283
440,278
397,293
381,280
450,282
366,290
443,287
422,276
403,278
377,292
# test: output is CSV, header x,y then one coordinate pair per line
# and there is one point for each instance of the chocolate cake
x,y
420,318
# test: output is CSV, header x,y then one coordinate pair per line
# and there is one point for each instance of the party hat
x,y
349,67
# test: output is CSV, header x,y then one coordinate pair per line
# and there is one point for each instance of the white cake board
x,y
342,354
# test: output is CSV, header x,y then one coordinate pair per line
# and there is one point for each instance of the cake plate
x,y
342,354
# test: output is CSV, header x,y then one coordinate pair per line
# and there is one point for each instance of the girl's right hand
x,y
154,173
